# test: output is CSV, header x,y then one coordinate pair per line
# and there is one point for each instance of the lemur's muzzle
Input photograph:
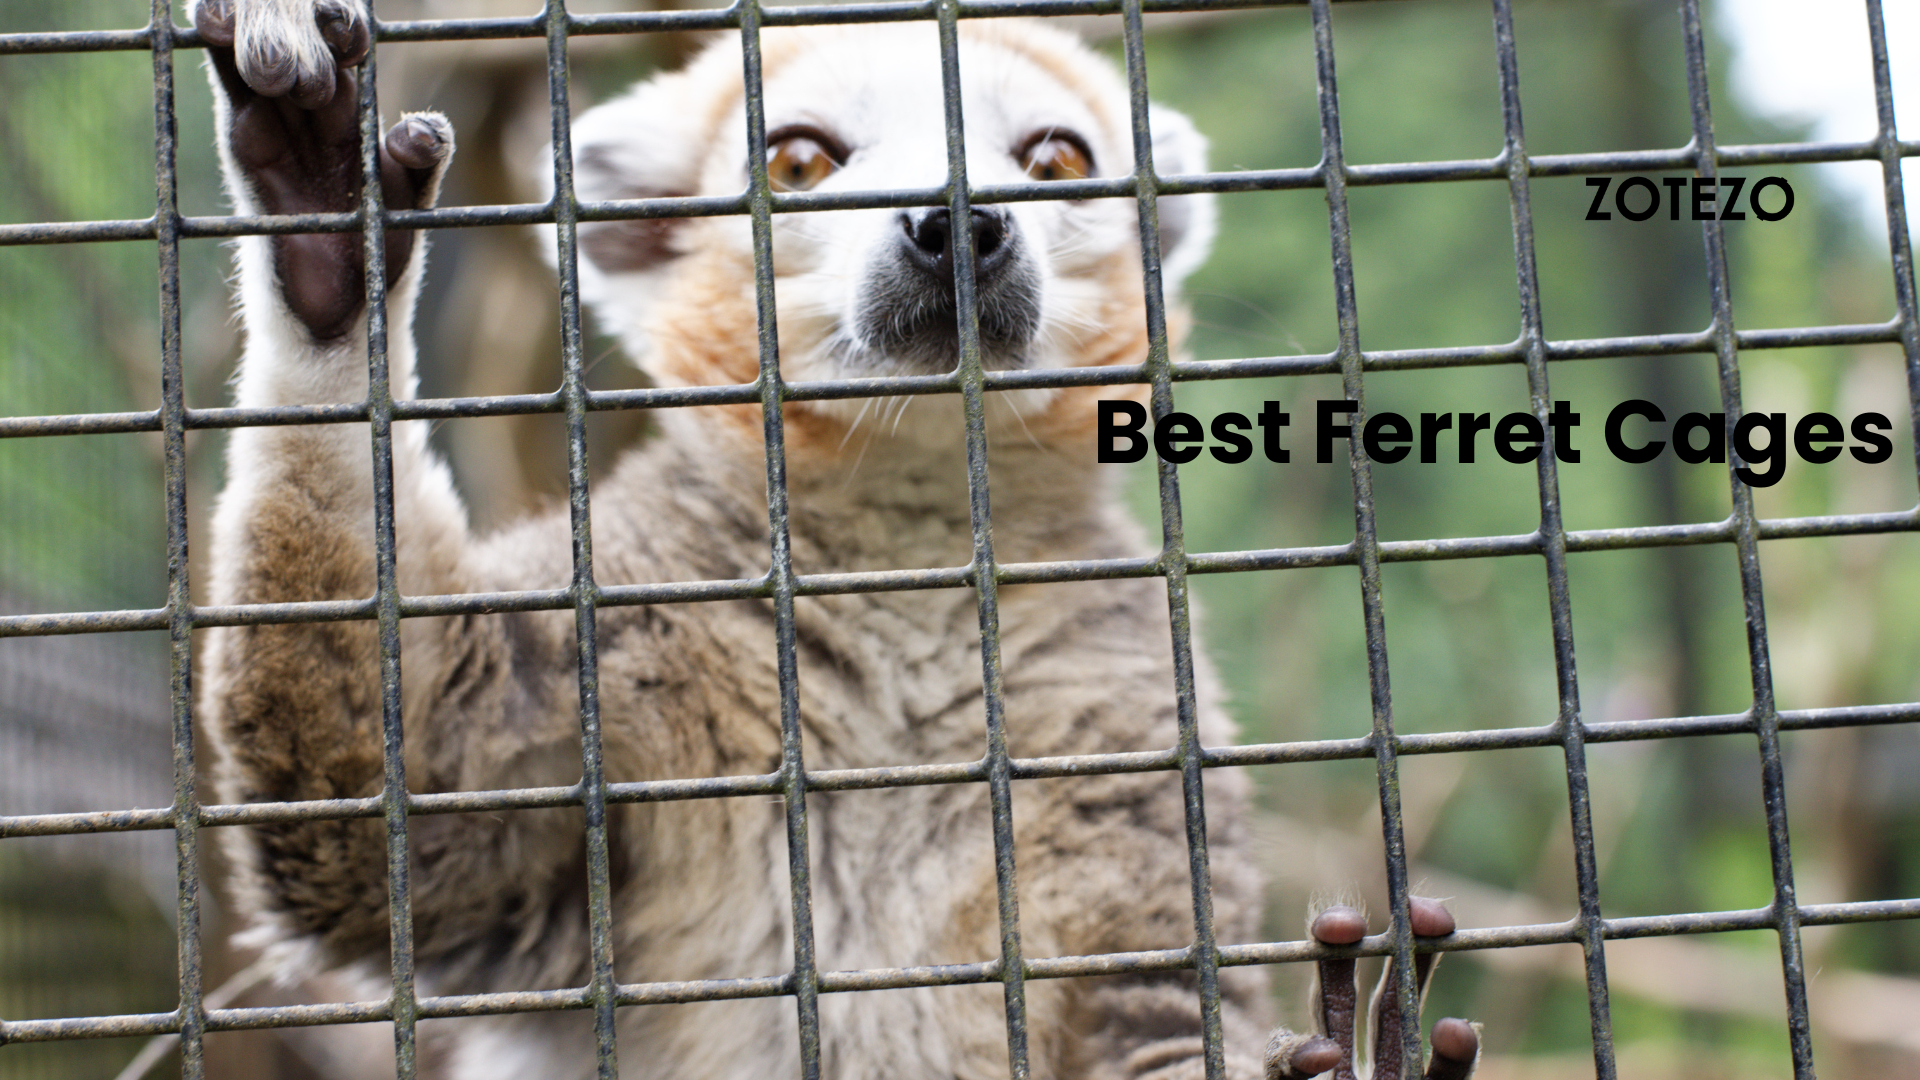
x,y
929,246
907,309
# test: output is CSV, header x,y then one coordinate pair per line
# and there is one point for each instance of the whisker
x,y
854,470
855,426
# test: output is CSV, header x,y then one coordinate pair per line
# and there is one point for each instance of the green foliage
x,y
80,526
76,941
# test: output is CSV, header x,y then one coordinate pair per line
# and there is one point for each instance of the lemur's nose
x,y
929,235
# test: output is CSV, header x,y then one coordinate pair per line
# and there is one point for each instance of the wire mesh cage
x,y
1569,733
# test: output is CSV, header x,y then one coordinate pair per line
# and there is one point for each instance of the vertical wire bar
x,y
593,777
1899,240
394,799
173,427
1766,718
986,580
1366,541
1173,551
1553,535
805,980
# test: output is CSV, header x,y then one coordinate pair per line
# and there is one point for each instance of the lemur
x,y
700,888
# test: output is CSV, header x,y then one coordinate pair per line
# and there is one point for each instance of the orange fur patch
x,y
707,334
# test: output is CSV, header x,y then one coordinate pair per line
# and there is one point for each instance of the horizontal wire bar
x,y
676,397
897,776
1251,180
77,41
1616,539
870,581
872,979
642,22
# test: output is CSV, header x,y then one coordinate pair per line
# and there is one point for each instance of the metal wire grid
x,y
603,995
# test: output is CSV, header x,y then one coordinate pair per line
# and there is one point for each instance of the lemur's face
x,y
875,288
871,292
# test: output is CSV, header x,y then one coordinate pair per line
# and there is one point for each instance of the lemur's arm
x,y
297,708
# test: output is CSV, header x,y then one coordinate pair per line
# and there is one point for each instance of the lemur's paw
x,y
298,152
1336,999
1456,1049
288,48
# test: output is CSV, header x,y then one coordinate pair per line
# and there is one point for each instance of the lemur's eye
x,y
1054,154
800,158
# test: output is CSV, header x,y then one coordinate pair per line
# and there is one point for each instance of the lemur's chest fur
x,y
891,677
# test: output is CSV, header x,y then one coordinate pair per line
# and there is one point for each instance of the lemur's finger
x,y
412,155
267,66
1298,1057
1429,918
415,143
1384,1027
347,34
1456,1048
1336,996
214,20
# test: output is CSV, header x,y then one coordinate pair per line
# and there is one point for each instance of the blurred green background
x,y
85,924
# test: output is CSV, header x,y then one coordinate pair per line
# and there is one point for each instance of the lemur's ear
x,y
1186,221
648,143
